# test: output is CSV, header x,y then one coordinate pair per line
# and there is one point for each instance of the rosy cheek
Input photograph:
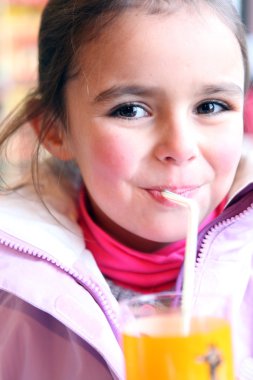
x,y
113,157
226,156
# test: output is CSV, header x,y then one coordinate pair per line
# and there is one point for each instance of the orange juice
x,y
161,350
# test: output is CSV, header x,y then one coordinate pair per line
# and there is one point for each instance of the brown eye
x,y
130,111
211,107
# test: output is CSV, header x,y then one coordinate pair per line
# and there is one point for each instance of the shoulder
x,y
35,337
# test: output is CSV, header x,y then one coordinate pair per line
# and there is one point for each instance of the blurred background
x,y
19,20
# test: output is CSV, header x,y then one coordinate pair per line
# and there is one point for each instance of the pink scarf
x,y
131,269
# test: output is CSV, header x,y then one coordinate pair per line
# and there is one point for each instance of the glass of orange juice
x,y
158,344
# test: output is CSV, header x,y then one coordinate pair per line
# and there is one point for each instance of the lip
x,y
185,191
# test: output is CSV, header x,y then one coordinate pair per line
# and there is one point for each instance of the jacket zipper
x,y
234,211
90,286
208,236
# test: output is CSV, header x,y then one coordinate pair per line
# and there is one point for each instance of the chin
x,y
165,238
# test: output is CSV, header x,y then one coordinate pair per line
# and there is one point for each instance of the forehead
x,y
136,41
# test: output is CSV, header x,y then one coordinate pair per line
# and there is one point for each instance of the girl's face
x,y
158,105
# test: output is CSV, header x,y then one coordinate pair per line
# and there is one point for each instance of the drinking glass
x,y
160,341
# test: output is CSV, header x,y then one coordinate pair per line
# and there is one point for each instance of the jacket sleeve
x,y
246,331
34,345
247,370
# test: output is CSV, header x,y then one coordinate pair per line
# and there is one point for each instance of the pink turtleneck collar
x,y
129,268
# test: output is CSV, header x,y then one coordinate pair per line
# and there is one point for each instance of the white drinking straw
x,y
190,253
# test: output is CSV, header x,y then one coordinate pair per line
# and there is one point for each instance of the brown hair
x,y
66,25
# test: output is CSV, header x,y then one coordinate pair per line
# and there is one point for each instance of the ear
x,y
55,140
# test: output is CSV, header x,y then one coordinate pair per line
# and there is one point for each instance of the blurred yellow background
x,y
19,22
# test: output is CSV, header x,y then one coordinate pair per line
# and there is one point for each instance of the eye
x,y
212,107
129,111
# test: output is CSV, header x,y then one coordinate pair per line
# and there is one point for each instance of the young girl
x,y
140,96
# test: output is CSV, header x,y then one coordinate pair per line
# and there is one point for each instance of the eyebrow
x,y
222,88
118,91
207,90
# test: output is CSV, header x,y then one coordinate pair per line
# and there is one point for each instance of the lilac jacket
x,y
58,316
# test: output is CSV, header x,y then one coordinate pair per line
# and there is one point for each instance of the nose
x,y
177,141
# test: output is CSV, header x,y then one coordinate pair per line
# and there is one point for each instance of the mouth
x,y
185,191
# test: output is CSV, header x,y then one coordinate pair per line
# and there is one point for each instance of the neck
x,y
120,234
